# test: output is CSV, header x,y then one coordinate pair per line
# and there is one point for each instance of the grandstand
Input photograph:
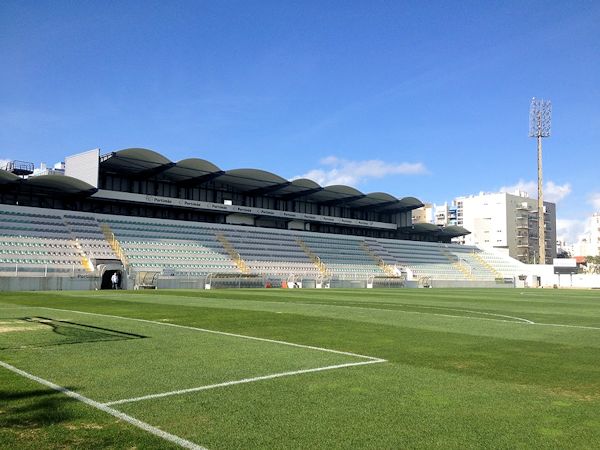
x,y
148,218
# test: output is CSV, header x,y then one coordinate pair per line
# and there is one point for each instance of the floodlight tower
x,y
540,122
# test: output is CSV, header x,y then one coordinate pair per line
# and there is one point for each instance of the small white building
x,y
589,242
57,169
595,234
442,215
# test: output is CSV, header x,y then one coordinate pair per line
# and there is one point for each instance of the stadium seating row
x,y
32,236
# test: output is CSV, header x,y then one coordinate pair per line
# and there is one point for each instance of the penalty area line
x,y
102,407
242,381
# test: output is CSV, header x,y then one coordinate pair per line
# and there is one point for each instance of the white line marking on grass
x,y
403,311
245,380
522,322
113,412
566,326
223,333
520,319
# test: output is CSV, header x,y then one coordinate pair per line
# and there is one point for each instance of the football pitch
x,y
298,369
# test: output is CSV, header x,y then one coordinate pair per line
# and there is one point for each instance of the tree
x,y
593,264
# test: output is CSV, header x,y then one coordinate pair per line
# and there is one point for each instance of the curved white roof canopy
x,y
194,171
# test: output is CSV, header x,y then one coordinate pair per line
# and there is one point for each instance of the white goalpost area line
x,y
113,412
369,359
243,381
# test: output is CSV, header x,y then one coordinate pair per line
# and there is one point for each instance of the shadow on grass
x,y
33,408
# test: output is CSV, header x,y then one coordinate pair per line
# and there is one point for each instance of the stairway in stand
x,y
374,250
323,270
233,254
115,245
457,263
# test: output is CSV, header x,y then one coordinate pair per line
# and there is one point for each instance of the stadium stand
x,y
36,241
63,241
151,219
181,249
271,253
88,234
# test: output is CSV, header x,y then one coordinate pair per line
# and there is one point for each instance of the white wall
x,y
84,166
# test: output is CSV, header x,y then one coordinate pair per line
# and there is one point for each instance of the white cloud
x,y
330,160
594,200
569,230
555,192
521,186
552,192
344,171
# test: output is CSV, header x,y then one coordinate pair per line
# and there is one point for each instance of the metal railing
x,y
40,270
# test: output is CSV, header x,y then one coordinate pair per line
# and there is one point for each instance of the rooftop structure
x,y
144,183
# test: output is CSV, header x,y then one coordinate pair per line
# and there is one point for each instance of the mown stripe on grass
x,y
113,412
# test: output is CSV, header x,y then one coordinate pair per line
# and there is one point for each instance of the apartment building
x,y
507,221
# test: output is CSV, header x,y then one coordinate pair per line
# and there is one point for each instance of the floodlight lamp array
x,y
540,118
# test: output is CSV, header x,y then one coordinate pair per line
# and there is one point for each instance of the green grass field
x,y
275,369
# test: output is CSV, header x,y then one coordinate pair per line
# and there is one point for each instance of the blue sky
x,y
412,98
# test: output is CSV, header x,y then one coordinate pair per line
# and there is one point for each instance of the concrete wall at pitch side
x,y
16,284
